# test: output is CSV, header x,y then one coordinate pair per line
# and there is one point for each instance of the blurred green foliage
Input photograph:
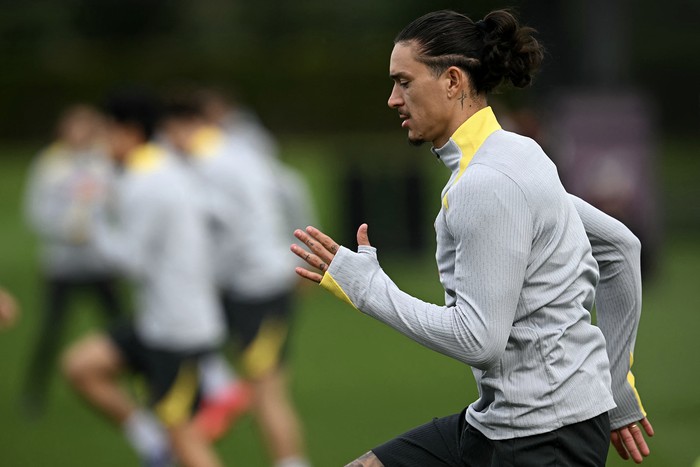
x,y
307,66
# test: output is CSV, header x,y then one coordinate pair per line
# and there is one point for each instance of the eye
x,y
403,83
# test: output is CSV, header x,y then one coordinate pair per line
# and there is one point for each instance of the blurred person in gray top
x,y
156,234
244,129
240,123
240,192
67,182
521,262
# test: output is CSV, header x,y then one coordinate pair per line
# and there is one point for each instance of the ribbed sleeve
x,y
618,303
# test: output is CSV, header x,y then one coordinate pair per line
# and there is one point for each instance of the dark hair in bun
x,y
492,51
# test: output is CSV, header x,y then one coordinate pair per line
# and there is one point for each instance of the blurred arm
x,y
54,209
128,243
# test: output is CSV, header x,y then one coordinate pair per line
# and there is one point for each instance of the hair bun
x,y
510,53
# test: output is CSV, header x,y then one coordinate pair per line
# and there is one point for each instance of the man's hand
x,y
322,250
8,309
629,441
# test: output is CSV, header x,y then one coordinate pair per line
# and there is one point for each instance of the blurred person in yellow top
x,y
157,236
67,182
240,192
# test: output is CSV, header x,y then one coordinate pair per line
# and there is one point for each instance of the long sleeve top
x,y
519,279
64,187
618,304
159,239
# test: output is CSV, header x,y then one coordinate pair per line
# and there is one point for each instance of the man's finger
x,y
306,274
631,445
315,246
648,429
617,443
312,259
639,440
328,243
362,236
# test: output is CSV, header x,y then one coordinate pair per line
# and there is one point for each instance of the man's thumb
x,y
362,237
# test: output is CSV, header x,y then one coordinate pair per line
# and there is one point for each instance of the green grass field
x,y
356,382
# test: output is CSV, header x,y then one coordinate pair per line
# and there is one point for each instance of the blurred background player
x,y
242,192
244,129
159,239
8,309
67,182
240,123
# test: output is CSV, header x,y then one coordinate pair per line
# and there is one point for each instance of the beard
x,y
416,142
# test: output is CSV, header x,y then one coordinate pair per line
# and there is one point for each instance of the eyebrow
x,y
399,75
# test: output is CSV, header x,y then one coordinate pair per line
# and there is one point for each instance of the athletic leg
x,y
92,366
225,397
190,446
263,331
276,416
56,296
174,384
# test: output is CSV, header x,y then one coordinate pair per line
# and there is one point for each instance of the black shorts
x,y
260,330
172,377
451,441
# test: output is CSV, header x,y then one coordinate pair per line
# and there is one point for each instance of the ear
x,y
457,80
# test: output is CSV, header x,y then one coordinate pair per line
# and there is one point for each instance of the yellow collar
x,y
206,140
144,158
470,136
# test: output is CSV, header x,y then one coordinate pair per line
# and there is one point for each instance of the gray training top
x,y
247,224
160,241
65,186
519,279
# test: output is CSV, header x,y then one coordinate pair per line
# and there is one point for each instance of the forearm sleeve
x,y
618,304
492,232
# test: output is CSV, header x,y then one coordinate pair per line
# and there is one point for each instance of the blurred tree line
x,y
316,66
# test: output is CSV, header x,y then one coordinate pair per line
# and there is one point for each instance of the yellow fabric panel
x,y
332,286
470,136
263,354
205,141
145,158
631,381
176,406
55,149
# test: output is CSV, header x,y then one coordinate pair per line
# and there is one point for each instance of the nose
x,y
395,99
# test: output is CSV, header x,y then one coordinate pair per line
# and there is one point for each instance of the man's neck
x,y
463,112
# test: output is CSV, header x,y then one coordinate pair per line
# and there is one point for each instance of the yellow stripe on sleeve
x,y
631,381
332,286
